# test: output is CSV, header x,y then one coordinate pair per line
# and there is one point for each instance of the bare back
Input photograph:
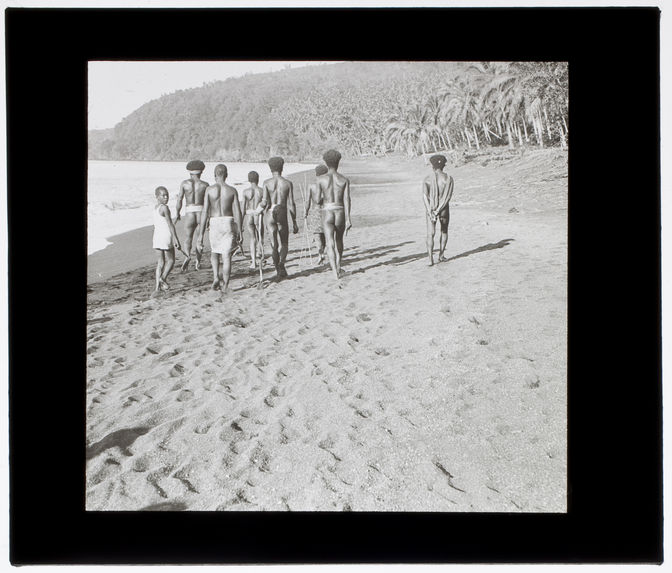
x,y
331,187
315,194
252,196
437,188
219,200
193,191
278,189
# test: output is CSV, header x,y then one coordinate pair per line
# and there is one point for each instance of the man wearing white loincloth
x,y
192,191
220,208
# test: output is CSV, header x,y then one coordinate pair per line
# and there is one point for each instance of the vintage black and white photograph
x,y
327,286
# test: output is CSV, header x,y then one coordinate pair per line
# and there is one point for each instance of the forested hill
x,y
296,113
359,108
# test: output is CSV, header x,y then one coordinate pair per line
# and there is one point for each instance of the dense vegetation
x,y
359,108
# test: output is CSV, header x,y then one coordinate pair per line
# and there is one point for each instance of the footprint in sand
x,y
531,381
261,459
173,427
240,498
103,474
134,385
154,477
130,400
283,437
167,355
203,428
176,370
142,464
182,475
276,392
364,413
185,396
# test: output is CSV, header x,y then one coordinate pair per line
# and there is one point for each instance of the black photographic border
x,y
614,322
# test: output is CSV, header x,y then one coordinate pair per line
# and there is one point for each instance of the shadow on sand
x,y
350,255
396,261
488,247
138,289
354,255
121,439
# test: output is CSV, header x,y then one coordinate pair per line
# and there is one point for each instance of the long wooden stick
x,y
305,226
260,258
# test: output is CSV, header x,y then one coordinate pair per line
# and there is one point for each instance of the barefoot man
x,y
220,207
192,191
253,207
279,194
314,221
437,190
335,192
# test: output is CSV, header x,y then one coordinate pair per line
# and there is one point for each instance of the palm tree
x,y
411,130
461,108
503,96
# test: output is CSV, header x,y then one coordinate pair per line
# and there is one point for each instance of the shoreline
x,y
131,250
126,251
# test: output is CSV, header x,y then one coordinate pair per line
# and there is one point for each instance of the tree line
x,y
497,103
361,108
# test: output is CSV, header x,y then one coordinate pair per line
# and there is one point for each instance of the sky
x,y
116,89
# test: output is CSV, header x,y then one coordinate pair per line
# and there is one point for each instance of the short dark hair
x,y
221,171
332,158
276,164
438,161
253,177
196,165
159,189
321,170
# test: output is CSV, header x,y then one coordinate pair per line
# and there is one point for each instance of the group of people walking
x,y
265,208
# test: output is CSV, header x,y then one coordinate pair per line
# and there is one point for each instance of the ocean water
x,y
120,194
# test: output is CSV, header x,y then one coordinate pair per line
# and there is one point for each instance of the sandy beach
x,y
401,387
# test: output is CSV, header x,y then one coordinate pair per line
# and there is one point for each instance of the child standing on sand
x,y
165,239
